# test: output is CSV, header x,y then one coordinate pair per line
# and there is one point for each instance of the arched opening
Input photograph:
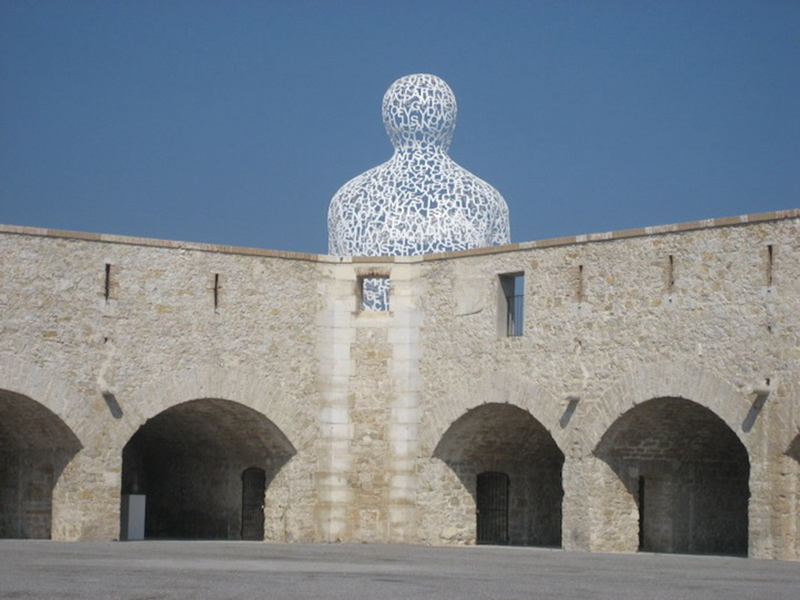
x,y
35,446
687,473
188,464
511,466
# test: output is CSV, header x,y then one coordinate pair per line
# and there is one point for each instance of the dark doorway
x,y
253,487
641,513
492,508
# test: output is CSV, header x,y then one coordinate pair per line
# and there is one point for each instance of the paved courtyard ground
x,y
250,570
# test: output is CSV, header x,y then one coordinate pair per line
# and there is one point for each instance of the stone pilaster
x,y
336,335
404,336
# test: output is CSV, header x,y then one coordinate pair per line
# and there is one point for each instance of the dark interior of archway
x,y
35,446
794,449
502,438
188,461
689,475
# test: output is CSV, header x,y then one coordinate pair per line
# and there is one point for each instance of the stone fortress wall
x,y
652,400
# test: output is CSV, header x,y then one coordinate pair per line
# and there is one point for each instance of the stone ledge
x,y
778,215
155,243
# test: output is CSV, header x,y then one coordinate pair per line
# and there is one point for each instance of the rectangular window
x,y
512,287
374,291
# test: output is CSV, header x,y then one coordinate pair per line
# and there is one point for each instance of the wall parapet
x,y
748,219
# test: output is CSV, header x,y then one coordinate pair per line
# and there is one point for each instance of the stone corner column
x,y
335,337
404,337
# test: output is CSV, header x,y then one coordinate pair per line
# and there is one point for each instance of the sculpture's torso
x,y
420,201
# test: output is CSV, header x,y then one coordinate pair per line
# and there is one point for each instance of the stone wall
x,y
687,472
506,439
108,355
35,446
612,322
374,425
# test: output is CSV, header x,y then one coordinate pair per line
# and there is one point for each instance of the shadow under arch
x,y
686,471
504,439
35,447
635,384
188,462
793,450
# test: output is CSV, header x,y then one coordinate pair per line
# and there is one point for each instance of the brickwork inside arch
x,y
505,439
688,474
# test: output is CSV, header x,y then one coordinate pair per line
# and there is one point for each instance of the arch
x,y
495,388
667,380
254,390
50,390
35,447
506,439
188,461
686,473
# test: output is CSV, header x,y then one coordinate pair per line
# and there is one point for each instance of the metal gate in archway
x,y
492,501
253,487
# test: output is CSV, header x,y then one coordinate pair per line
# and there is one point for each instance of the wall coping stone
x,y
779,215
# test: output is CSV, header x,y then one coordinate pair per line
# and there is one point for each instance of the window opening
x,y
513,288
374,292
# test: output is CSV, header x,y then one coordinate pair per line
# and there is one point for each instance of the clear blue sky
x,y
235,122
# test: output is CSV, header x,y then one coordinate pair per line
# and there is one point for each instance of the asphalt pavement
x,y
249,570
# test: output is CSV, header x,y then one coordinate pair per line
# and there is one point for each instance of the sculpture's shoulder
x,y
362,186
484,203
355,211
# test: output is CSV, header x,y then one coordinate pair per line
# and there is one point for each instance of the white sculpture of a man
x,y
420,201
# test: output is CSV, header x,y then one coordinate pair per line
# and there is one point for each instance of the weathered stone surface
x,y
373,425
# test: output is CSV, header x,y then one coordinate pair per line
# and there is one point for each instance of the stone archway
x,y
188,462
685,471
504,439
35,447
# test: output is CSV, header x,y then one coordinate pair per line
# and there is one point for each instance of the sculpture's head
x,y
420,110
